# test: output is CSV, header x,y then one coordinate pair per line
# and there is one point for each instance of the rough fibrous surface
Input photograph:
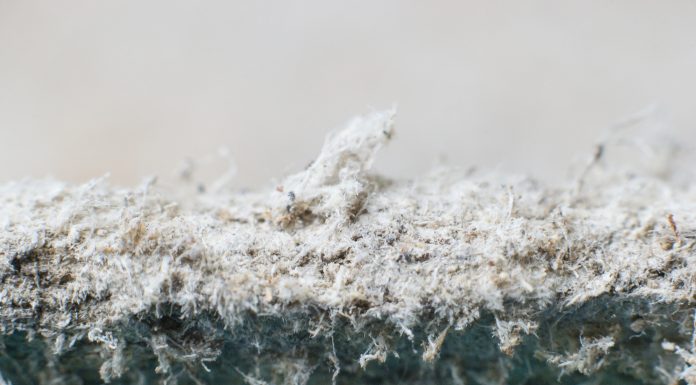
x,y
337,275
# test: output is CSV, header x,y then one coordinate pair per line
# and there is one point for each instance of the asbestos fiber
x,y
339,275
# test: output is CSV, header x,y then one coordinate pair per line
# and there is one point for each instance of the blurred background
x,y
141,88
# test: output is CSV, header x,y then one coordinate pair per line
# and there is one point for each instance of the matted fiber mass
x,y
338,275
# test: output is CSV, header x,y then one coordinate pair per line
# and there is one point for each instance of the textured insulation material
x,y
337,275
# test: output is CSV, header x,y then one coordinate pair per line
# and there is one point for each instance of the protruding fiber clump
x,y
340,276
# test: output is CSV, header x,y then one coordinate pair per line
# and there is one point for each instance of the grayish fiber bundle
x,y
341,276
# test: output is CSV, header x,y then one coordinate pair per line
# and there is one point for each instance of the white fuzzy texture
x,y
358,247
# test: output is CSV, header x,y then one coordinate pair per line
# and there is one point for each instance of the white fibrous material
x,y
337,275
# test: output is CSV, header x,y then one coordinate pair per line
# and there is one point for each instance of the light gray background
x,y
135,87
